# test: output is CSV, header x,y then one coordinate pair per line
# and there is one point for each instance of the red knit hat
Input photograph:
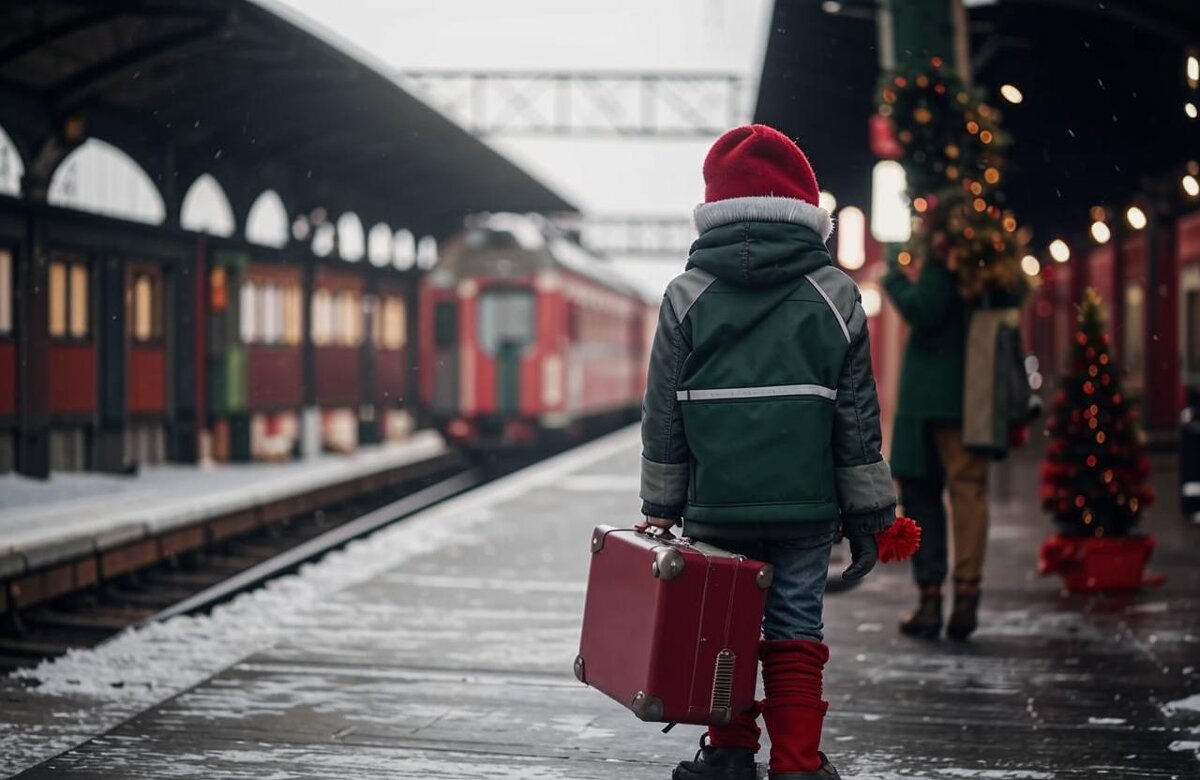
x,y
758,161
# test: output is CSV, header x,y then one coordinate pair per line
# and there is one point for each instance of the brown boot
x,y
926,621
964,618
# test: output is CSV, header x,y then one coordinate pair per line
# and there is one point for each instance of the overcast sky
x,y
600,176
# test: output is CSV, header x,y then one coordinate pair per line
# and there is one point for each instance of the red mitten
x,y
900,541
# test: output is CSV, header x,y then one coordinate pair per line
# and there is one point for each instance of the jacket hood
x,y
760,242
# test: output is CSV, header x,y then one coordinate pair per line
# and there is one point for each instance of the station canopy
x,y
1104,91
257,95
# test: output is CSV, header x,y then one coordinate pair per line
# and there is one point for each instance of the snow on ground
x,y
87,692
1191,703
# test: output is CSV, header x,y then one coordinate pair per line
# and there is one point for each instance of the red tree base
x,y
1094,565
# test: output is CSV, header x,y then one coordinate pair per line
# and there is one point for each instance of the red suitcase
x,y
671,627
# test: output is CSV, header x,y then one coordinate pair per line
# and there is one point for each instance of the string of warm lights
x,y
1094,475
1135,217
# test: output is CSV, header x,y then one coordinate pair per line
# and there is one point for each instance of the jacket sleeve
x,y
866,494
664,447
926,302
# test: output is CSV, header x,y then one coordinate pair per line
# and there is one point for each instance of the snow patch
x,y
1106,721
1191,703
1184,745
996,774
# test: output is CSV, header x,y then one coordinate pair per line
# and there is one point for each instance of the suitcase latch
x,y
668,563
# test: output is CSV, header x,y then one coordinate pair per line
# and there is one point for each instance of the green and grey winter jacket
x,y
760,417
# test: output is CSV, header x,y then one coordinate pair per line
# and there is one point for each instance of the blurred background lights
x,y
1135,217
1100,232
872,301
1193,70
1060,251
1189,108
826,201
891,220
1030,265
1011,94
851,238
1191,185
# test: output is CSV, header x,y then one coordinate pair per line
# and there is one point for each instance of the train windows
x,y
272,313
445,325
322,317
146,315
348,319
79,301
68,299
6,292
247,303
391,328
505,318
293,317
218,289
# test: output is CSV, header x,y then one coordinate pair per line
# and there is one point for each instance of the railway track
x,y
197,581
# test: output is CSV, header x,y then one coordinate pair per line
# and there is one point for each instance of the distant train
x,y
525,336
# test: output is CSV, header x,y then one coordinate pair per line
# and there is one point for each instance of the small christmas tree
x,y
1094,475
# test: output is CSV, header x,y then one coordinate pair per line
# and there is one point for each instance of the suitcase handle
x,y
654,531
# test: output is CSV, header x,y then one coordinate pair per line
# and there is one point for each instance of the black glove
x,y
864,553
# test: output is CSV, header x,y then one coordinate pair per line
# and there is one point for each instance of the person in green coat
x,y
928,456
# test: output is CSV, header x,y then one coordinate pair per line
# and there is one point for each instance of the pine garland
x,y
953,154
1095,471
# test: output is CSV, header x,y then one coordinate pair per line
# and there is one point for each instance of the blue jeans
x,y
796,598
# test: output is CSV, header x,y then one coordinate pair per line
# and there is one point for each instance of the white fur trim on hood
x,y
763,209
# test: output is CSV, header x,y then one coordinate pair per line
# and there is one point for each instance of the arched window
x,y
324,238
100,178
379,245
404,250
267,221
11,166
427,253
351,244
205,208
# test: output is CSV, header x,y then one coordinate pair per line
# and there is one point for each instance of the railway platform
x,y
441,647
66,531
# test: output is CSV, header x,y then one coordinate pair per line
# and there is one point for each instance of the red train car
x,y
388,353
338,325
526,335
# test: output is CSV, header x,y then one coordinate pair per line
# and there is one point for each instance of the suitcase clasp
x,y
668,563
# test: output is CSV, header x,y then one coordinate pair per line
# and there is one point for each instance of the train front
x,y
491,377
524,337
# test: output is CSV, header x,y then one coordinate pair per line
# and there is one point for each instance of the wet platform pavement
x,y
442,648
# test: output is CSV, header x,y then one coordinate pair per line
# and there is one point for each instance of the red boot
x,y
793,710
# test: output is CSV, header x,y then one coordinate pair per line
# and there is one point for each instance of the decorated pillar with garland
x,y
951,145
